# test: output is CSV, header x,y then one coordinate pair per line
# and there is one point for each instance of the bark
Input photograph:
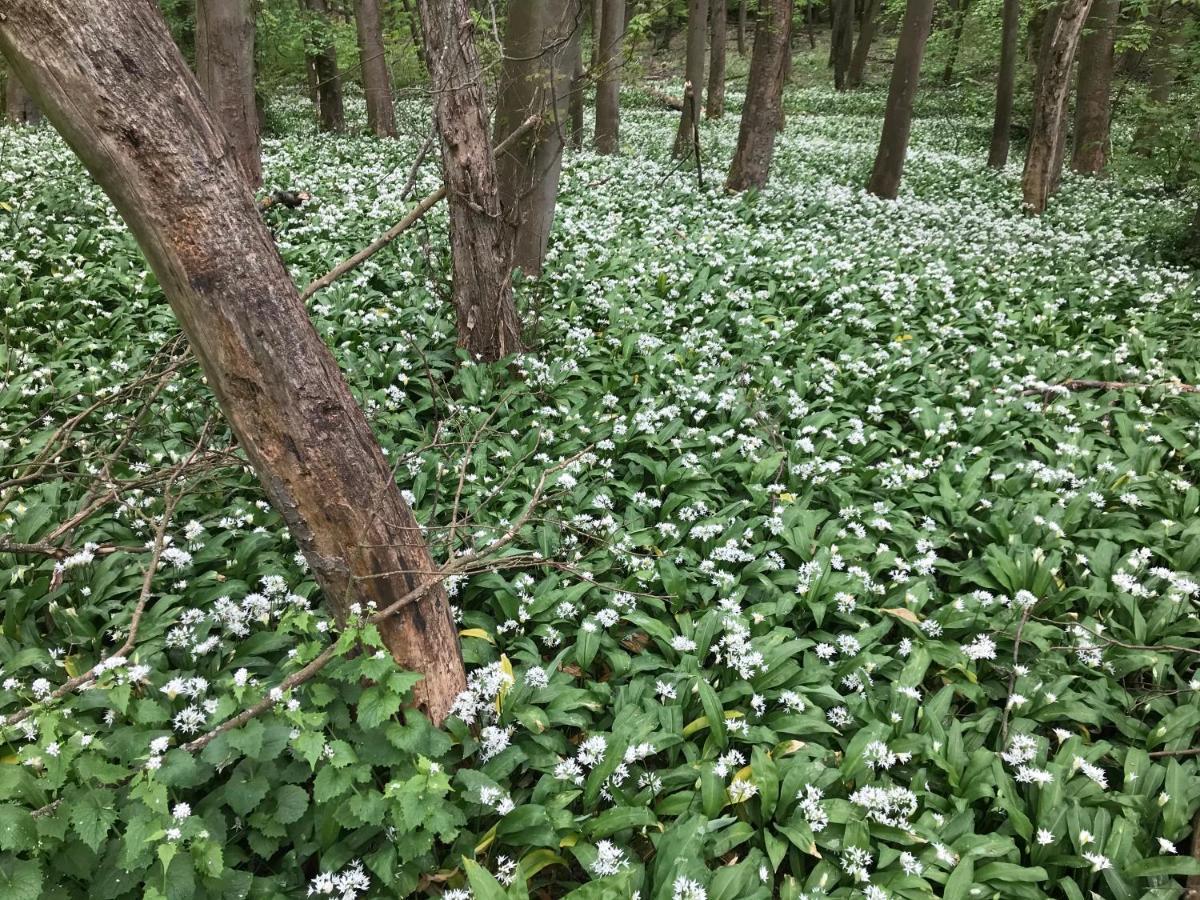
x,y
328,81
1162,79
842,46
715,106
741,27
1046,137
225,70
1093,90
902,91
485,315
1005,81
578,92
958,9
535,80
118,90
19,105
597,19
763,108
608,85
693,88
866,36
377,82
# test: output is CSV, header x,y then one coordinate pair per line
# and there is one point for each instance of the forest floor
x,y
843,591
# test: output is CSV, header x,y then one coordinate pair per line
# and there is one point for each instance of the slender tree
x,y
842,41
1161,62
19,105
579,81
958,12
693,88
715,106
115,86
763,108
540,44
225,70
376,77
1005,80
902,91
1093,89
741,27
862,49
608,85
1046,137
325,77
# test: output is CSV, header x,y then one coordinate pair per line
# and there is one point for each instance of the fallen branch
x,y
424,206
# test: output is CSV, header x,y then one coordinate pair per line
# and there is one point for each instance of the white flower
x,y
1166,846
1098,862
181,811
610,859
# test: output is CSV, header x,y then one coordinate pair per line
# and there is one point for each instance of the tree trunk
x,y
958,9
485,315
535,79
608,86
842,46
902,91
741,27
377,82
693,88
866,36
578,92
597,20
225,70
715,107
19,105
118,90
1005,80
1046,136
323,59
1162,79
1093,91
763,107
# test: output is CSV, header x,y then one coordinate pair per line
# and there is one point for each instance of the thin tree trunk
x,y
763,108
866,36
902,91
741,27
377,81
1005,81
697,28
1046,137
485,315
715,107
842,47
597,19
414,29
578,92
328,80
959,9
19,105
535,79
608,86
1093,91
225,70
1162,79
119,91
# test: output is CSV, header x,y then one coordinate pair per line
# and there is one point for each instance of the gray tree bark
x,y
485,315
763,109
608,85
862,49
225,70
693,89
902,91
111,81
376,78
715,106
19,106
325,77
842,41
1006,78
1093,88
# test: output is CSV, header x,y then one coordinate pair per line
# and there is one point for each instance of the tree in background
x,y
763,107
958,16
325,79
225,69
862,49
117,88
1005,81
715,106
19,106
377,82
608,84
686,143
741,27
902,91
842,41
1093,90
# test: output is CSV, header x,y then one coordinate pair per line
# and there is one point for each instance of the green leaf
x,y
958,885
1163,865
248,739
17,828
20,879
291,801
377,705
92,815
483,885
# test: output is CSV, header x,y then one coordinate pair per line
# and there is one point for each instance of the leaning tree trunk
x,y
693,87
377,82
842,41
485,314
1005,80
866,35
540,44
328,81
1093,90
608,85
763,107
20,107
114,85
902,91
715,106
958,9
1046,137
741,27
225,70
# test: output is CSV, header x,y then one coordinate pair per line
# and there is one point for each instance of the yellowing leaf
x,y
507,669
901,613
477,633
486,840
